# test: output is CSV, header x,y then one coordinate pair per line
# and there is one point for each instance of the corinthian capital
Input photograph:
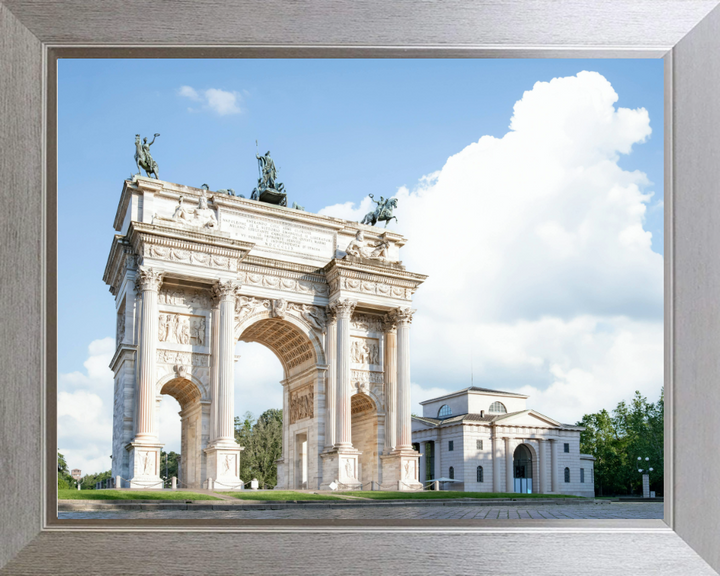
x,y
404,315
389,321
149,279
343,308
225,290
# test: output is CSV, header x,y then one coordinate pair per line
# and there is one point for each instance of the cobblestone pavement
x,y
603,511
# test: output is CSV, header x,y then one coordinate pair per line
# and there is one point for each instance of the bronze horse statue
x,y
383,212
143,159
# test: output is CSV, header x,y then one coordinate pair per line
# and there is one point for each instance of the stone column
x,y
509,484
542,479
390,328
422,473
555,479
215,355
343,435
496,464
331,378
149,282
404,405
225,293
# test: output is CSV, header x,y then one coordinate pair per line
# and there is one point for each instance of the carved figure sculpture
x,y
143,159
360,248
357,247
382,212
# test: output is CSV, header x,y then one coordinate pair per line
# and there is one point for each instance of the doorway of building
x,y
522,470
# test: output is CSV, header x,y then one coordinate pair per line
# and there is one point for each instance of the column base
x,y
400,470
340,465
223,467
145,465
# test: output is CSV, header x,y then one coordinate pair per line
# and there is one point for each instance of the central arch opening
x,y
276,350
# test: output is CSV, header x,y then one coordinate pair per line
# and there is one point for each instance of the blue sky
x,y
338,130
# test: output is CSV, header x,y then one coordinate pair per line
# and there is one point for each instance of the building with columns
x,y
488,441
193,272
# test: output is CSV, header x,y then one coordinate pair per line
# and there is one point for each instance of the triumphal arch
x,y
193,272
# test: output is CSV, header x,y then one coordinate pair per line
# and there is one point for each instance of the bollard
x,y
173,483
436,485
254,484
210,484
118,482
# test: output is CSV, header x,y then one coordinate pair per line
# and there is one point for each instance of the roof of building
x,y
475,389
457,418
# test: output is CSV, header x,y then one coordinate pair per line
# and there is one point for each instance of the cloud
x,y
541,273
85,411
219,101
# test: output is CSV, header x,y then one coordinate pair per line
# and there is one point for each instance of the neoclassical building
x,y
489,441
194,272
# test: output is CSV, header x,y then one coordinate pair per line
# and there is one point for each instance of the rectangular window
x,y
450,446
566,447
479,444
582,474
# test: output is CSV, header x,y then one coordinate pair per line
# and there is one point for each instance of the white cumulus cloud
x,y
541,274
219,101
85,411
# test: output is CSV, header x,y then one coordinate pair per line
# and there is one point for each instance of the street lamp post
x,y
646,476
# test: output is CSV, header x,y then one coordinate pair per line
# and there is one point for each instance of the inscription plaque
x,y
280,235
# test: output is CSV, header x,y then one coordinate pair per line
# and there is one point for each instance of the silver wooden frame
x,y
33,33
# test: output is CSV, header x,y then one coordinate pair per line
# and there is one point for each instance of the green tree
x,y
65,481
633,430
169,463
262,440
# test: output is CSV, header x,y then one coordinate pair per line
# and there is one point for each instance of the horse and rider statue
x,y
143,159
382,213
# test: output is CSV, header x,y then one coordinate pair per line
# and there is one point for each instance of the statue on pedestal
x,y
143,159
268,189
383,211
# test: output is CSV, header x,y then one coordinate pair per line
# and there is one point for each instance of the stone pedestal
x,y
145,465
223,467
341,466
400,471
646,485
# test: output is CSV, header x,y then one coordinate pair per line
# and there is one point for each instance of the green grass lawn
x,y
445,494
131,495
280,495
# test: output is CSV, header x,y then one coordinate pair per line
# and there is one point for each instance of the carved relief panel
x,y
301,403
184,297
120,334
182,329
365,351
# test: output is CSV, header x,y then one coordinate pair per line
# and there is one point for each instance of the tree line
x,y
632,430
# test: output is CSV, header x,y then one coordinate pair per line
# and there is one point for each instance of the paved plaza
x,y
595,511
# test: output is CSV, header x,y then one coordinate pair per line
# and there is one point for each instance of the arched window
x,y
452,473
567,474
480,474
498,408
444,411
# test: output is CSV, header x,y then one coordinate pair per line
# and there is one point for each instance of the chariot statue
x,y
143,159
382,213
268,188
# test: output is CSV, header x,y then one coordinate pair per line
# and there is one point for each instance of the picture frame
x,y
34,34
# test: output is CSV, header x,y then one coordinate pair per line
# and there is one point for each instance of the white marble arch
x,y
306,343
